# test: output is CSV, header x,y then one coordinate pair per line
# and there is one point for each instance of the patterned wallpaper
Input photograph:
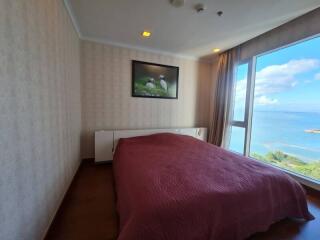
x,y
40,114
106,93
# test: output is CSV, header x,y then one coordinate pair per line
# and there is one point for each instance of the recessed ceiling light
x,y
216,50
146,34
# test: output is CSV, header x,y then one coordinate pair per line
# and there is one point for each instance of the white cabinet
x,y
103,146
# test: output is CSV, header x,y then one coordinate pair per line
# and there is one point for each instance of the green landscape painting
x,y
154,80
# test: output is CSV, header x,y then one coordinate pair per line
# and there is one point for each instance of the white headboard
x,y
106,141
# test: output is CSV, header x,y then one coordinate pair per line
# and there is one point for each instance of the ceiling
x,y
182,31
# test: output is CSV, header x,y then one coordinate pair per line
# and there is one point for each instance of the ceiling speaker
x,y
177,3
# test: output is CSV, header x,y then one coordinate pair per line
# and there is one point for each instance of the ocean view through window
x,y
285,112
238,129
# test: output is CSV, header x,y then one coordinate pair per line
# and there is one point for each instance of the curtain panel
x,y
223,104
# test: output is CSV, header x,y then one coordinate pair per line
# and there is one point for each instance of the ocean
x,y
285,131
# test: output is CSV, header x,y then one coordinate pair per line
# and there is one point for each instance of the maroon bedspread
x,y
175,187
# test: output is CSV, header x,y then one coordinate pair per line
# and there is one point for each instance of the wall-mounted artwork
x,y
154,80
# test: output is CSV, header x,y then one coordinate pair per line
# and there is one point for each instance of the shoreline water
x,y
285,131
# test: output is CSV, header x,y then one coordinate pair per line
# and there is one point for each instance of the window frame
x,y
247,123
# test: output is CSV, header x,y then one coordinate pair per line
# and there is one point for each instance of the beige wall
x,y
40,114
106,93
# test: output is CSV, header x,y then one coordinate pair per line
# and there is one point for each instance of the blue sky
x,y
286,80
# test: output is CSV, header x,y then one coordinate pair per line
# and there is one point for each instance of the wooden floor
x,y
88,211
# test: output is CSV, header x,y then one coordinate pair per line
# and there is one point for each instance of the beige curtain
x,y
219,129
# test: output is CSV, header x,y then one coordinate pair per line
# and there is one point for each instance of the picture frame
x,y
152,80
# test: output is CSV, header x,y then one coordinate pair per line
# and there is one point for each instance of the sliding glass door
x,y
277,108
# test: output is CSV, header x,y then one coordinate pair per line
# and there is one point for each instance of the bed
x,y
176,187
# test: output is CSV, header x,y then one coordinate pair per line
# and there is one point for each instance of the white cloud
x,y
279,78
241,90
276,79
263,100
317,76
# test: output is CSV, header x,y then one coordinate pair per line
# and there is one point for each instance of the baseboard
x,y
92,161
60,202
312,191
108,162
88,160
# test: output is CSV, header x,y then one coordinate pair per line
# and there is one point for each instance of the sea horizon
x,y
286,111
285,131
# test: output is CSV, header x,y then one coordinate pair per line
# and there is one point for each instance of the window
x,y
239,124
277,109
241,83
237,139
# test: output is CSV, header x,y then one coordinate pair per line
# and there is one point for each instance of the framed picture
x,y
152,80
